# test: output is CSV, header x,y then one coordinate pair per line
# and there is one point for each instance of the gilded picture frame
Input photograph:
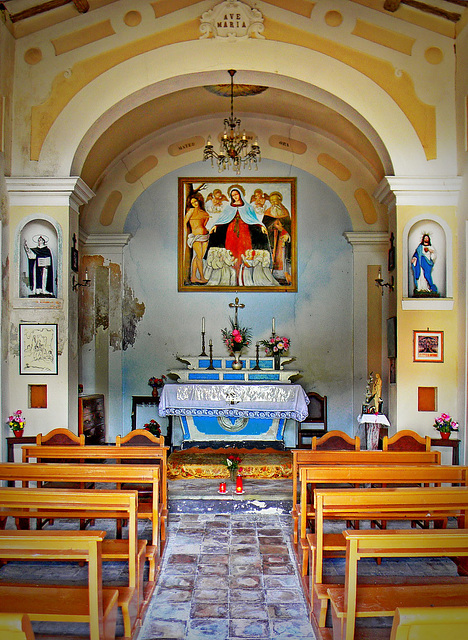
x,y
38,349
428,346
237,234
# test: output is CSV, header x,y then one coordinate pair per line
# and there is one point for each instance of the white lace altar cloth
x,y
249,401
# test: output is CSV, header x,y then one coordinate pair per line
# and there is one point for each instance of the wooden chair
x,y
316,422
336,441
406,440
60,436
430,623
139,438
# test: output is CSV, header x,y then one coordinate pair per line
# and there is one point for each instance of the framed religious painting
x,y
38,349
428,346
237,234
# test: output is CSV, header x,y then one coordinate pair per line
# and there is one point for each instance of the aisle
x,y
228,576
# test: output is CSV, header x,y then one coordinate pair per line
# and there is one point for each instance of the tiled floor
x,y
228,576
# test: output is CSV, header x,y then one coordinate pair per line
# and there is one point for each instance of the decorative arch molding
x,y
337,79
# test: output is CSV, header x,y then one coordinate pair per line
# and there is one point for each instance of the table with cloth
x,y
233,413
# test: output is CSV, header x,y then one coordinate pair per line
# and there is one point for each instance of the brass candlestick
x,y
202,344
257,361
211,367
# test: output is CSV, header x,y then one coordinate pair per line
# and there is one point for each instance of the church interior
x,y
241,225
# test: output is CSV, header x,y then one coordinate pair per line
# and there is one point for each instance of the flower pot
x,y
155,392
445,435
233,475
277,361
18,433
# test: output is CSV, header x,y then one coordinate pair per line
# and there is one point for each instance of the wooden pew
x,y
307,458
109,452
353,600
82,503
15,626
430,623
95,605
311,476
401,503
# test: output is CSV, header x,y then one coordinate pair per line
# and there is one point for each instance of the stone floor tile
x,y
247,610
209,610
204,629
177,581
212,582
213,569
283,596
214,558
292,629
247,595
211,595
163,629
249,629
245,582
288,611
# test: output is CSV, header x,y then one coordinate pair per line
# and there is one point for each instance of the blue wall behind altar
x,y
318,318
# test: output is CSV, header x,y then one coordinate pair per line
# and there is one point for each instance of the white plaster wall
x,y
318,318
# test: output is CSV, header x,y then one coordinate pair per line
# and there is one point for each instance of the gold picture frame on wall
x,y
237,234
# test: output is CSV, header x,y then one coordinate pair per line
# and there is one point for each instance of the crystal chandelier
x,y
233,149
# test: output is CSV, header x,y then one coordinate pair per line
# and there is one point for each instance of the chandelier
x,y
233,148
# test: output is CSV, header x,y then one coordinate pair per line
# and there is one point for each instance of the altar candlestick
x,y
273,326
203,325
257,357
239,487
211,366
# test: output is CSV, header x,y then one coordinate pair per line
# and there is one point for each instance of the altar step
x,y
201,495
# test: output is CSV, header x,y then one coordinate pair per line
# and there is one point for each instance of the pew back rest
x,y
336,441
430,623
406,440
307,457
139,437
60,436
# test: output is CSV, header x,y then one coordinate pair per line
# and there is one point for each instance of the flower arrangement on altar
x,y
153,427
445,424
236,338
276,345
16,422
156,383
232,463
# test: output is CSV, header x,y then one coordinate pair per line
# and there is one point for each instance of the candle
x,y
86,275
210,342
273,325
203,325
239,487
222,487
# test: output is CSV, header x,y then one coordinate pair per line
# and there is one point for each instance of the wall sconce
x,y
86,282
380,283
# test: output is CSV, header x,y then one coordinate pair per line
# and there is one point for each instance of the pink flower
x,y
237,338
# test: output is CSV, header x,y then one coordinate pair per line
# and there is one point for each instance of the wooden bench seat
x,y
80,503
328,476
306,458
108,452
356,601
93,604
15,626
430,623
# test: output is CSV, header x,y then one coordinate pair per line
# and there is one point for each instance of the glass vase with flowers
x,y
276,346
156,383
235,339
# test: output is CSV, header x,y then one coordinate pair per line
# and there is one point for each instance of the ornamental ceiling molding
x,y
231,20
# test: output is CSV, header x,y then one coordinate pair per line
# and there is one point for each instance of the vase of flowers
x,y
235,339
16,423
276,346
232,463
156,383
153,427
445,425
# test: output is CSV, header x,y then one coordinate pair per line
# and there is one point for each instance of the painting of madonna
x,y
237,251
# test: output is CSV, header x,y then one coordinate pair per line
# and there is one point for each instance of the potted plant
x,y
156,383
16,423
276,346
445,425
153,427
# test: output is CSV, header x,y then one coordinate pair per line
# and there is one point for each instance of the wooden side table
x,y
11,441
455,444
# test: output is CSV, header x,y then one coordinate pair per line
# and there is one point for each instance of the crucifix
x,y
235,305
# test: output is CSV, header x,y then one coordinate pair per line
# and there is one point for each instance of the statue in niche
x,y
41,268
422,264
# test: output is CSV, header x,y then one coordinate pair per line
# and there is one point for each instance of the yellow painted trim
x,y
163,7
335,166
391,39
400,88
81,38
82,73
110,207
140,169
366,205
301,7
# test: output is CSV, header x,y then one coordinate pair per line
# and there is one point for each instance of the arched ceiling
x,y
196,103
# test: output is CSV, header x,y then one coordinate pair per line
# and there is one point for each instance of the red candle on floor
x,y
222,487
239,487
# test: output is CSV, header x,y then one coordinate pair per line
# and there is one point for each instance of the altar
x,y
242,414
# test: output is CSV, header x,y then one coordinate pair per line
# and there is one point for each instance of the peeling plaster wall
x,y
318,318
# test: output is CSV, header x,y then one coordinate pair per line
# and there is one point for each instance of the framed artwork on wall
x,y
237,234
391,337
428,346
38,349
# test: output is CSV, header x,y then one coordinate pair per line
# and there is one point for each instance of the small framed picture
x,y
38,349
428,346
